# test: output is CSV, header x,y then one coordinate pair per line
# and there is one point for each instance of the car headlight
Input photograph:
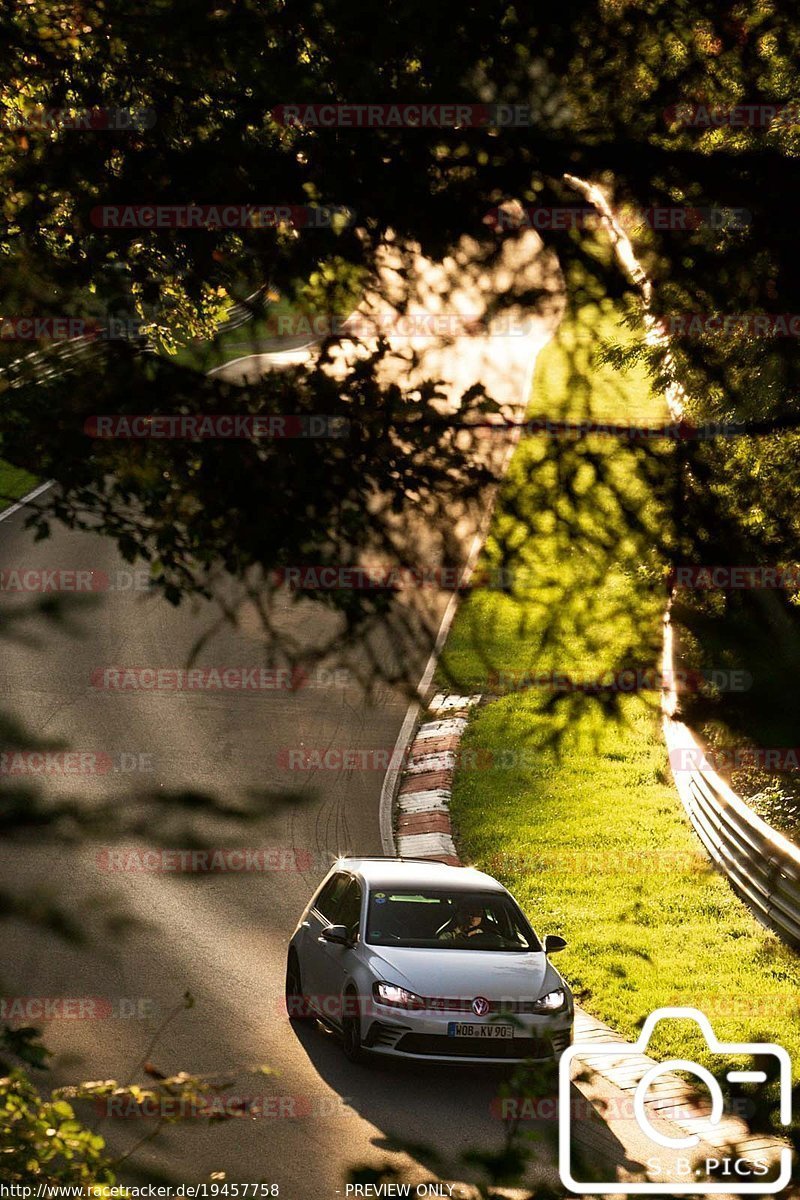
x,y
396,997
552,1002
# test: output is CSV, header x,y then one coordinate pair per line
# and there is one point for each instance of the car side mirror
x,y
336,934
553,943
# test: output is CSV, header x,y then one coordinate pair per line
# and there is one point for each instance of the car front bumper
x,y
424,1036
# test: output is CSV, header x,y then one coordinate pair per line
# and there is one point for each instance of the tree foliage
x,y
599,82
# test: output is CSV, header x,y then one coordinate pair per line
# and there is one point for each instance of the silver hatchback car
x,y
422,960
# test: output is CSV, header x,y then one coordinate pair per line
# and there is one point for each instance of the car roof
x,y
415,872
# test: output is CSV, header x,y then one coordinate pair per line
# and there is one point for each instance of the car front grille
x,y
464,1047
445,1004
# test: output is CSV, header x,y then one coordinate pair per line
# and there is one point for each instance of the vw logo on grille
x,y
480,1006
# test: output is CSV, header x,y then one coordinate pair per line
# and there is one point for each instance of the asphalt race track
x,y
199,769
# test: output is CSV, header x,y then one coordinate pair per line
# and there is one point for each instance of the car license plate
x,y
459,1029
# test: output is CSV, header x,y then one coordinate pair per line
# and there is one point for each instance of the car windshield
x,y
448,921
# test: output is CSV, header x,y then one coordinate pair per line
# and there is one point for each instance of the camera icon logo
x,y
738,1181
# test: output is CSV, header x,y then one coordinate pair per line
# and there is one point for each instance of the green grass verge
x,y
303,316
577,814
14,483
256,336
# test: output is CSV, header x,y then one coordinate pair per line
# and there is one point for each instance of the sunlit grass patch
x,y
14,483
577,813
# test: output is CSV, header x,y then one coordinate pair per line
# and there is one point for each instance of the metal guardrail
x,y
762,866
41,365
49,363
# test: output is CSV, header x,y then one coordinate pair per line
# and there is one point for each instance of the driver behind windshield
x,y
466,924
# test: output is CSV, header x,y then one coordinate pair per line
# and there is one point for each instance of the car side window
x,y
349,913
329,900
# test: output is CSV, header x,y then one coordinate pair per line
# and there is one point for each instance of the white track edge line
x,y
37,491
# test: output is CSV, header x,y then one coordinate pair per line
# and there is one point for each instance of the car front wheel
x,y
351,1029
296,1003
